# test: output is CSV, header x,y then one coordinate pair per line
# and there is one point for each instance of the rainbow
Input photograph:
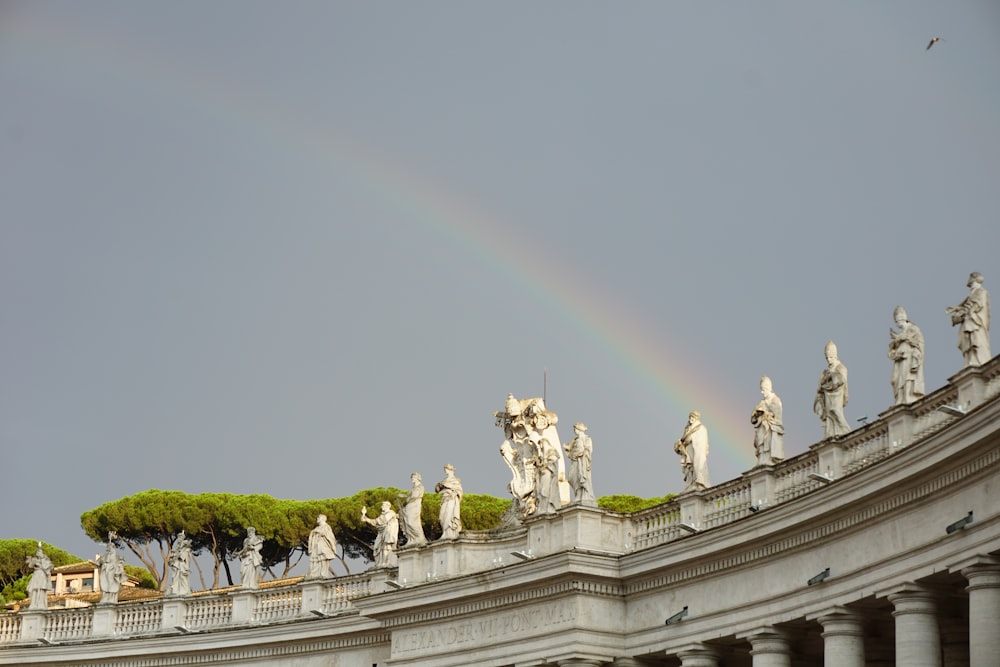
x,y
620,333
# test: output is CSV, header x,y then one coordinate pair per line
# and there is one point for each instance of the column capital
x,y
768,640
625,661
980,571
975,560
911,597
840,622
699,655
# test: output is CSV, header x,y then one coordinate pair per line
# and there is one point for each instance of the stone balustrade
x,y
310,599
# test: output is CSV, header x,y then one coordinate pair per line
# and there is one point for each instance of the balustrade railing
x,y
338,597
208,611
69,624
656,525
136,618
10,627
865,447
277,604
727,502
928,415
792,478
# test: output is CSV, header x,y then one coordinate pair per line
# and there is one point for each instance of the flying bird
x,y
934,40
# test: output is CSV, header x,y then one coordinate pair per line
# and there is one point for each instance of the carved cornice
x,y
485,604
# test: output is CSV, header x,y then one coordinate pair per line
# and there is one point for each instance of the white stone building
x,y
877,548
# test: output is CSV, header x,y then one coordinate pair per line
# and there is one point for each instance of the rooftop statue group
x,y
906,350
534,453
322,544
540,483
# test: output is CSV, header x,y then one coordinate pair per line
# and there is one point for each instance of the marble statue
x,y
906,349
522,483
387,525
180,566
579,451
41,579
322,549
693,449
768,429
531,450
409,514
831,395
250,559
450,516
973,318
548,476
112,572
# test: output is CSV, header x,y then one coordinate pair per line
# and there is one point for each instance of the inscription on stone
x,y
522,623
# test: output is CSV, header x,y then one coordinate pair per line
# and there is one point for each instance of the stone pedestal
x,y
312,596
32,624
692,507
843,638
761,486
174,613
971,387
899,419
103,624
918,639
243,606
984,614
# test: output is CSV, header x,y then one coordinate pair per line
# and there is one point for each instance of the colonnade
x,y
917,625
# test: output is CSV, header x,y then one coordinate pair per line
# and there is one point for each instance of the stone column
x,y
624,661
984,613
843,638
699,656
769,648
579,662
918,639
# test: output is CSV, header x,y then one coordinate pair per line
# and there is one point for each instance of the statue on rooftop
x,y
250,559
531,450
180,566
768,429
409,514
112,571
450,515
579,451
693,450
387,525
906,349
973,318
322,549
41,579
831,395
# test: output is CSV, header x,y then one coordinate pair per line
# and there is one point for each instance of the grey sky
x,y
307,248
